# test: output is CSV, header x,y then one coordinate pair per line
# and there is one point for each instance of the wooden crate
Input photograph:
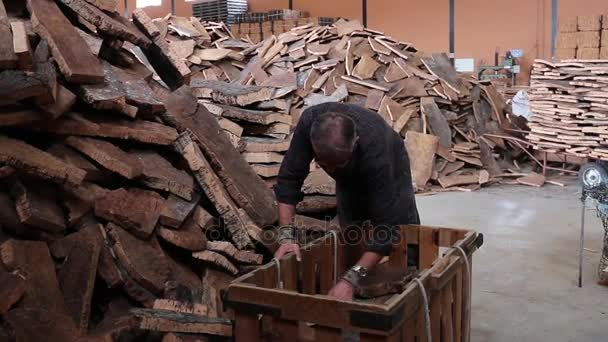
x,y
288,303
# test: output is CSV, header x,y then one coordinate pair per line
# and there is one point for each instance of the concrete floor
x,y
524,276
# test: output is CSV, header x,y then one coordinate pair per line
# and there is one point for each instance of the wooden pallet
x,y
272,303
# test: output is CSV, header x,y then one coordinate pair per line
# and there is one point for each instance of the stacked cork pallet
x,y
582,37
569,102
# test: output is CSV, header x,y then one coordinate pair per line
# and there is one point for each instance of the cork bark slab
x,y
144,261
134,209
107,155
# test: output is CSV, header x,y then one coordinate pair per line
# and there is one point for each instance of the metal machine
x,y
594,179
508,68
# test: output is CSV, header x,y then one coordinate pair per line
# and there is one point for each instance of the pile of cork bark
x,y
124,205
258,92
124,208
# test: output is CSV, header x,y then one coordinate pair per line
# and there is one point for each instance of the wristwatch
x,y
354,275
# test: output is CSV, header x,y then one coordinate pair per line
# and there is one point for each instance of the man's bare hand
x,y
343,290
288,247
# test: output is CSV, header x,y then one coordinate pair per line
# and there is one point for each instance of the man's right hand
x,y
288,246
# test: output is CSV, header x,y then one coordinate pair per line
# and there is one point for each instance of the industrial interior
x,y
299,170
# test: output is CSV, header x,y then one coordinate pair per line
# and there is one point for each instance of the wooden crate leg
x,y
394,337
285,330
421,325
327,334
436,315
246,328
410,328
457,288
447,331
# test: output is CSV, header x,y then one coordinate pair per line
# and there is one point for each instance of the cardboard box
x,y
587,53
567,24
588,39
604,52
589,23
604,42
566,40
562,54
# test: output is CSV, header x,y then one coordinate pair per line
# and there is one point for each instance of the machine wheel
x,y
593,175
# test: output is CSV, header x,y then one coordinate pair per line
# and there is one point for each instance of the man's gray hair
x,y
333,132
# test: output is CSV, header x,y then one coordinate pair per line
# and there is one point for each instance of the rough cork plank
x,y
76,61
144,23
366,68
532,179
263,157
202,218
394,73
137,130
77,278
488,160
244,186
190,236
412,87
318,182
12,224
76,159
135,209
283,80
144,261
233,94
266,170
16,85
33,260
178,306
176,211
177,337
217,260
439,65
110,24
63,102
107,155
255,144
8,59
12,288
311,205
172,69
38,324
80,201
421,150
277,129
231,126
368,84
437,121
46,72
213,188
20,115
215,282
228,249
160,174
212,54
374,99
346,27
38,207
22,47
450,181
255,116
171,321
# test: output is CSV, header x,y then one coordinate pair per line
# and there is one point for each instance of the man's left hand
x,y
343,290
